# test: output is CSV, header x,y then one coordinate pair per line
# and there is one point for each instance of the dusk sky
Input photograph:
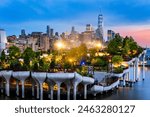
x,y
127,17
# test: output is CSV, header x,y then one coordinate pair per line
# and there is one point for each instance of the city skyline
x,y
126,17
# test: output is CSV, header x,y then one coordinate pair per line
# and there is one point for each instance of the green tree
x,y
43,65
52,64
126,47
3,61
76,54
3,56
14,52
115,45
14,55
28,56
99,62
117,59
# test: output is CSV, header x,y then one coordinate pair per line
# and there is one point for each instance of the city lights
x,y
59,45
99,45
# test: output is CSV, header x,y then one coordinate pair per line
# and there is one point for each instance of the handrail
x,y
97,88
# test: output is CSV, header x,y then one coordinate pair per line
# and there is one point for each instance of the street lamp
x,y
98,46
59,45
70,60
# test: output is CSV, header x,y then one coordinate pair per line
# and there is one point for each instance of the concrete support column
x,y
17,87
131,84
50,86
58,90
133,72
2,86
51,91
85,91
68,91
41,91
37,91
136,69
124,80
22,82
32,89
117,86
128,76
7,88
95,94
143,70
74,91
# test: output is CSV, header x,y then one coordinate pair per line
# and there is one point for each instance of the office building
x,y
23,33
3,40
99,30
48,30
110,35
89,27
51,32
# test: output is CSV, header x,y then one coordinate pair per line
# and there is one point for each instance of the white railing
x,y
97,89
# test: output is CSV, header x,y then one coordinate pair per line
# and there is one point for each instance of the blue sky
x,y
34,15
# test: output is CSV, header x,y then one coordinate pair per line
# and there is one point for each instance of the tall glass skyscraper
x,y
48,30
3,40
99,31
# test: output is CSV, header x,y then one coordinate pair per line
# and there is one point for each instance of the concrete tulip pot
x,y
39,77
6,74
21,76
59,78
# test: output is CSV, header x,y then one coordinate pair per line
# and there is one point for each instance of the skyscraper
x,y
23,33
88,27
110,35
51,32
99,31
3,40
72,30
48,30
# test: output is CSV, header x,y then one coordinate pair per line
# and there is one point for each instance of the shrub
x,y
117,59
118,70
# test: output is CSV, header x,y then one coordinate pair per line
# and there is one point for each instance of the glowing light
x,y
70,60
124,64
88,55
99,45
99,54
59,45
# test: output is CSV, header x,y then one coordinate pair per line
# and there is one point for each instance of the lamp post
x,y
99,46
59,45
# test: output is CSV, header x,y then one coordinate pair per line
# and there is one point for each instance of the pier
x,y
71,80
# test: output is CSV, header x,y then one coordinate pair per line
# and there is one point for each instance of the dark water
x,y
139,91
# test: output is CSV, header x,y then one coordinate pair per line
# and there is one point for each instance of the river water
x,y
139,91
